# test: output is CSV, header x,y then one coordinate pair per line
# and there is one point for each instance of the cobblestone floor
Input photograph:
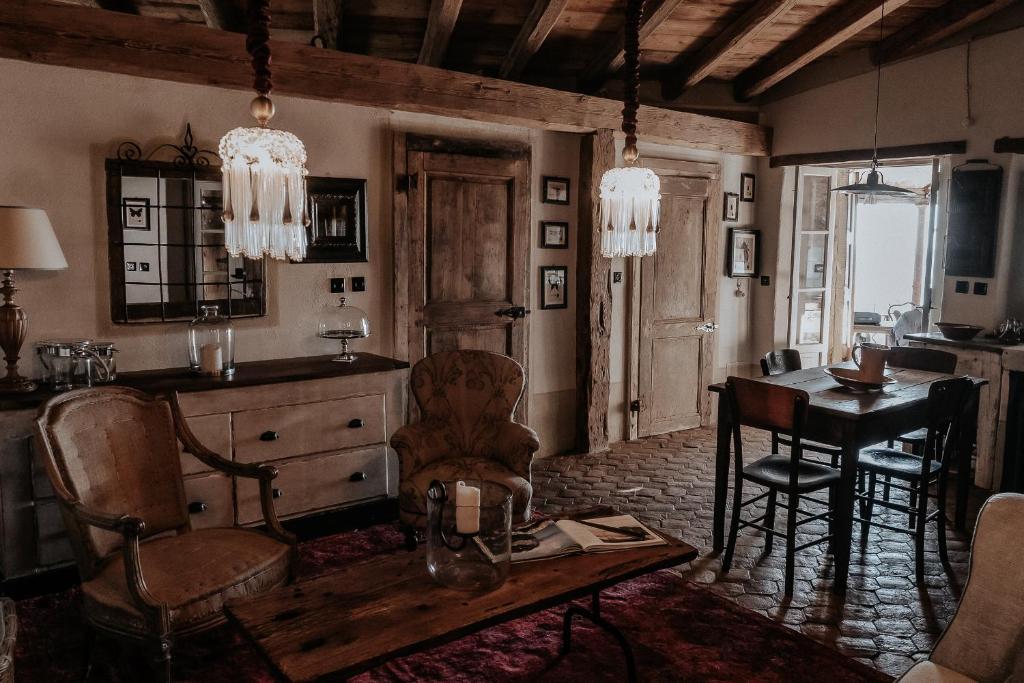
x,y
885,619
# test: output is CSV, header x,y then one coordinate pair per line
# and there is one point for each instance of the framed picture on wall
x,y
744,252
731,207
747,187
136,213
555,190
554,235
554,287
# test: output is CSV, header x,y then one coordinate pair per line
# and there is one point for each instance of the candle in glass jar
x,y
210,359
467,508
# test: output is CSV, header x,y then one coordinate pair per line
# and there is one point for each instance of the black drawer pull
x,y
276,493
356,423
196,506
358,476
269,435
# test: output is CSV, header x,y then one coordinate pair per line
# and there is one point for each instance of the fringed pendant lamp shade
x,y
630,196
264,169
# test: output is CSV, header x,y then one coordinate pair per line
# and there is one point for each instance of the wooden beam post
x,y
85,38
691,71
327,22
611,59
593,298
937,25
832,30
535,30
440,24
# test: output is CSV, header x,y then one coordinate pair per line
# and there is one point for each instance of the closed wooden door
x,y
678,287
469,227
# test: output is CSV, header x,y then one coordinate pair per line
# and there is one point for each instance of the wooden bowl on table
x,y
958,331
852,380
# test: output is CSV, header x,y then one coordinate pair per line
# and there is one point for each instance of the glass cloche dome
x,y
344,322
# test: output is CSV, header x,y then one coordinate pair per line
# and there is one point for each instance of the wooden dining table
x,y
852,421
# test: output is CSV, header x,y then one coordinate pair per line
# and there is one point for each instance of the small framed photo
x,y
731,207
747,187
554,235
744,252
554,283
556,190
136,213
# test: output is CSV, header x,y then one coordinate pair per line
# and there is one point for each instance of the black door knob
x,y
356,423
269,435
276,493
358,476
196,506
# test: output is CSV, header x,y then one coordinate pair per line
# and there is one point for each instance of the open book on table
x,y
556,538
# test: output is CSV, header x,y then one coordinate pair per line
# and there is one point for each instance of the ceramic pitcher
x,y
870,359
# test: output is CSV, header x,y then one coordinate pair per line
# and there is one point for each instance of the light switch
x,y
359,284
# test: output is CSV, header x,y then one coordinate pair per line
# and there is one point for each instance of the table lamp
x,y
26,242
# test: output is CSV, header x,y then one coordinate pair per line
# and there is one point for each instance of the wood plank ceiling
x,y
576,45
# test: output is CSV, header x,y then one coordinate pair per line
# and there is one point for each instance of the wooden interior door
x,y
468,247
678,292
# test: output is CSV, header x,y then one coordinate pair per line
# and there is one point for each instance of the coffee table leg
x,y
721,474
594,616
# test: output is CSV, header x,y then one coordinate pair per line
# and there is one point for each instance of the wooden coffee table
x,y
336,626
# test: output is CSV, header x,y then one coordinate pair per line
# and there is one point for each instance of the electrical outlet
x,y
359,284
962,286
337,285
766,281
981,288
617,276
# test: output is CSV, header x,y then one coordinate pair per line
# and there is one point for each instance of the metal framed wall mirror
x,y
166,238
337,225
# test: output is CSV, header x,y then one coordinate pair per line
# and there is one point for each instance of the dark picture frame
x,y
554,287
549,235
337,220
555,190
748,185
731,207
130,207
744,252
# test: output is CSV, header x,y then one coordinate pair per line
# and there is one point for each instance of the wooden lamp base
x,y
13,328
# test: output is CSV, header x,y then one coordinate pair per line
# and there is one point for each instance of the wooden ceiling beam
x,y
935,26
221,14
126,6
327,18
440,24
541,20
831,31
690,71
611,59
151,47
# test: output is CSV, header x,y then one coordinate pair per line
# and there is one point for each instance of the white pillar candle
x,y
467,508
210,359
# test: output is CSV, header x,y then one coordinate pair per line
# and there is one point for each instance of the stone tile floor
x,y
885,619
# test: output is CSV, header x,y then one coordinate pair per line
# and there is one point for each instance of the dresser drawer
x,y
214,432
272,433
210,501
317,483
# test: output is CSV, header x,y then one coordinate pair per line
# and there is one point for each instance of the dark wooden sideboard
x,y
325,426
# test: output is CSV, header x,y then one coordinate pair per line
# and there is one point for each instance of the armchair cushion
x,y
412,488
194,573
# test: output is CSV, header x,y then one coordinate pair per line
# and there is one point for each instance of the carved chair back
x,y
112,449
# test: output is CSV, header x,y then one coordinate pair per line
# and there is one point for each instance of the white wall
x,y
923,100
61,124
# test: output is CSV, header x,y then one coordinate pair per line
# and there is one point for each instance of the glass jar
x,y
344,322
469,540
211,344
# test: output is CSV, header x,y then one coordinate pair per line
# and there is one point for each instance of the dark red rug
x,y
679,632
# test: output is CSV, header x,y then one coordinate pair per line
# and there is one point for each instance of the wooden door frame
x,y
712,228
403,142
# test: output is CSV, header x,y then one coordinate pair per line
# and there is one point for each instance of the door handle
x,y
708,327
514,312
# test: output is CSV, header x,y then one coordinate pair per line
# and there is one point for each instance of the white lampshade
x,y
630,208
27,240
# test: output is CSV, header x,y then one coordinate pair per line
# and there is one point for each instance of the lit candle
x,y
467,508
210,359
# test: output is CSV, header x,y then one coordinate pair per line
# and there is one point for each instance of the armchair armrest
x,y
419,444
515,447
264,473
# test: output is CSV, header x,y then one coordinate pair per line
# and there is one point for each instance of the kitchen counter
x,y
979,343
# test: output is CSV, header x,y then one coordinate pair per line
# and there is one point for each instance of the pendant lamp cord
x,y
878,87
257,43
631,78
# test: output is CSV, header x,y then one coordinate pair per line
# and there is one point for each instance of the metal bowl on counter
x,y
959,331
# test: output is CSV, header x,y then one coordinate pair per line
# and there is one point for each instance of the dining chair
x,y
946,400
779,362
775,408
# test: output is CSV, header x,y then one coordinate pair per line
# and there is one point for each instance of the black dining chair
x,y
779,362
946,401
776,408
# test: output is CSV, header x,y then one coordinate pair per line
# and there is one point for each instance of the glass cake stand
x,y
344,322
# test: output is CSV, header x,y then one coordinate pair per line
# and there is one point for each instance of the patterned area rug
x,y
679,632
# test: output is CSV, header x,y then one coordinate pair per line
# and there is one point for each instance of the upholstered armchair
x,y
112,457
985,639
466,401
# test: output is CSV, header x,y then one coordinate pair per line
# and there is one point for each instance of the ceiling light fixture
x,y
874,183
264,169
631,195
